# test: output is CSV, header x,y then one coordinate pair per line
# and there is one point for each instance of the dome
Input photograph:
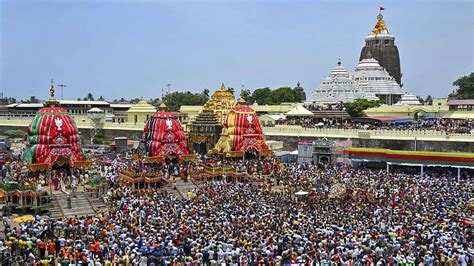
x,y
164,135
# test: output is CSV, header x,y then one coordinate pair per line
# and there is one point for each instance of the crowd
x,y
459,126
347,217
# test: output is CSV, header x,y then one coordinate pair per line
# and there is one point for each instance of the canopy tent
x,y
299,111
242,132
164,136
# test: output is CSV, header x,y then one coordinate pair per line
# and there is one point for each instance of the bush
x,y
15,133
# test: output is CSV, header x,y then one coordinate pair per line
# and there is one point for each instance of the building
x,y
337,87
77,109
140,112
300,91
372,78
408,99
380,44
438,109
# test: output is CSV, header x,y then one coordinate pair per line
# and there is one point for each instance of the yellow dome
x,y
223,93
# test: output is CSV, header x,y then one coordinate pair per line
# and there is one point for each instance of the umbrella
x,y
301,193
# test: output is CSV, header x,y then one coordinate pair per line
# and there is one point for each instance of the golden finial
x,y
51,90
222,87
51,102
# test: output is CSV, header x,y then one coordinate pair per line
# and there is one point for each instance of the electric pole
x,y
61,86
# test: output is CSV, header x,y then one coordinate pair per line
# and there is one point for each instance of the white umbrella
x,y
301,193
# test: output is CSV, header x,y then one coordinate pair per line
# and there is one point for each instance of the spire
x,y
339,62
380,25
298,84
222,87
52,101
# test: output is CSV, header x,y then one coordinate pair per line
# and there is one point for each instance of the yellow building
x,y
438,109
140,112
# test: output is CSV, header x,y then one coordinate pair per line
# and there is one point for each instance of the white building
x,y
372,78
408,99
339,86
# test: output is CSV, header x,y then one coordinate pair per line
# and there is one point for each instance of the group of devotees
x,y
294,215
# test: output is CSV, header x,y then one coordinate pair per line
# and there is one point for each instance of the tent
x,y
299,111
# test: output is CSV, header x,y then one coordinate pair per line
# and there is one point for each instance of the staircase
x,y
180,189
80,206
168,188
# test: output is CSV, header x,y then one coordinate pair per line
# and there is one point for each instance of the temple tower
x,y
380,45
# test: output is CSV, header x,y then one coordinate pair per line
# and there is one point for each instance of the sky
x,y
133,49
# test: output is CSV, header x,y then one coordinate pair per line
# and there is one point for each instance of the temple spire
x,y
222,87
52,102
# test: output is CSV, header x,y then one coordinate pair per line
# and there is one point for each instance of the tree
x,y
283,95
428,100
89,97
263,96
247,96
205,92
101,98
176,99
420,99
32,99
357,108
231,90
466,86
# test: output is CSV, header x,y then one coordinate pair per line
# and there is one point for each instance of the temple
x,y
380,44
220,103
371,77
339,86
368,81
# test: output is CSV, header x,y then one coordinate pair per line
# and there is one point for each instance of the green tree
x,y
466,86
205,92
89,97
176,99
263,96
101,98
283,95
428,100
247,96
357,108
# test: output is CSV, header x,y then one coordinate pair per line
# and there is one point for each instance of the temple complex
x,y
380,45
